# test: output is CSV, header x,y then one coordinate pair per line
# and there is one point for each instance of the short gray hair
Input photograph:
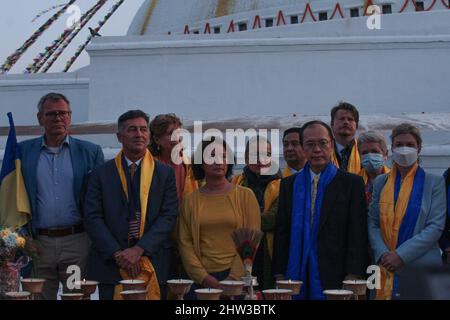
x,y
372,137
52,96
407,128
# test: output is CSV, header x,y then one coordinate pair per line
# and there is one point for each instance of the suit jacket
x,y
422,250
342,239
85,157
445,239
106,221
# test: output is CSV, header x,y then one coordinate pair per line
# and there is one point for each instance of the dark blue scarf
x,y
303,259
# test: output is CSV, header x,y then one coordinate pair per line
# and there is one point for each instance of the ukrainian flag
x,y
14,205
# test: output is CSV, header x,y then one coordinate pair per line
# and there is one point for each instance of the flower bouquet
x,y
16,251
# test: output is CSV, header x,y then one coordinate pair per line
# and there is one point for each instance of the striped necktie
x,y
134,225
133,168
313,196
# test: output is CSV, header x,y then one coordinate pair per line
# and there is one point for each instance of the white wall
x,y
208,79
20,94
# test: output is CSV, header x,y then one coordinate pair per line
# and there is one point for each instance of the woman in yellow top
x,y
373,152
266,187
209,216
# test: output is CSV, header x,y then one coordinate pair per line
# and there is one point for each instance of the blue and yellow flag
x,y
14,204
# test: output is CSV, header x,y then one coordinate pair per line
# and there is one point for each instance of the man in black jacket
x,y
445,239
321,235
131,210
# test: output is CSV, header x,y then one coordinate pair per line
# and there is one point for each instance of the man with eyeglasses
x,y
321,235
55,167
292,152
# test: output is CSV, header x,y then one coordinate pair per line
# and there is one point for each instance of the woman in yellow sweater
x,y
209,216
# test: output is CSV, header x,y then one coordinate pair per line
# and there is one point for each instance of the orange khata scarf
x,y
287,172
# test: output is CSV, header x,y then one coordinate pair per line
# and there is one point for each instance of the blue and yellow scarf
x,y
399,204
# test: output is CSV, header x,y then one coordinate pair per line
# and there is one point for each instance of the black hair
x,y
293,130
197,168
313,123
132,114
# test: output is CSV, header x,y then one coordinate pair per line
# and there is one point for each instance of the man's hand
x,y
118,260
211,282
134,271
128,258
392,261
447,254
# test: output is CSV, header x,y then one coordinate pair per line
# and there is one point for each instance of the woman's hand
x,y
211,282
392,261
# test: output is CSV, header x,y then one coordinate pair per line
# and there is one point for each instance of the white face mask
x,y
405,156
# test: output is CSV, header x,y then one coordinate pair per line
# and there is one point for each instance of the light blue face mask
x,y
372,161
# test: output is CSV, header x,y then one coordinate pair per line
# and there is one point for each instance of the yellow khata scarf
x,y
363,173
354,162
270,196
286,172
391,216
147,271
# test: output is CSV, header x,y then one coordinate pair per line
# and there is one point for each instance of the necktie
x,y
133,168
134,224
313,196
345,153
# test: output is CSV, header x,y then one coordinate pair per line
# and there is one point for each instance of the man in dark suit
x,y
321,228
122,231
445,239
55,168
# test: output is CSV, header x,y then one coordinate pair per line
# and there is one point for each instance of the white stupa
x,y
258,60
210,59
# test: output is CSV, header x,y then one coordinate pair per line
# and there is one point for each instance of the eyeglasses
x,y
310,145
55,114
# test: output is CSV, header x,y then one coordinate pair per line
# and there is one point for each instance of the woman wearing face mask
x,y
407,215
373,152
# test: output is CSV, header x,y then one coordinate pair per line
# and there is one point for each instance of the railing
x,y
337,13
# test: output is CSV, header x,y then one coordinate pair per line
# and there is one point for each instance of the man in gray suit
x,y
412,242
55,167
